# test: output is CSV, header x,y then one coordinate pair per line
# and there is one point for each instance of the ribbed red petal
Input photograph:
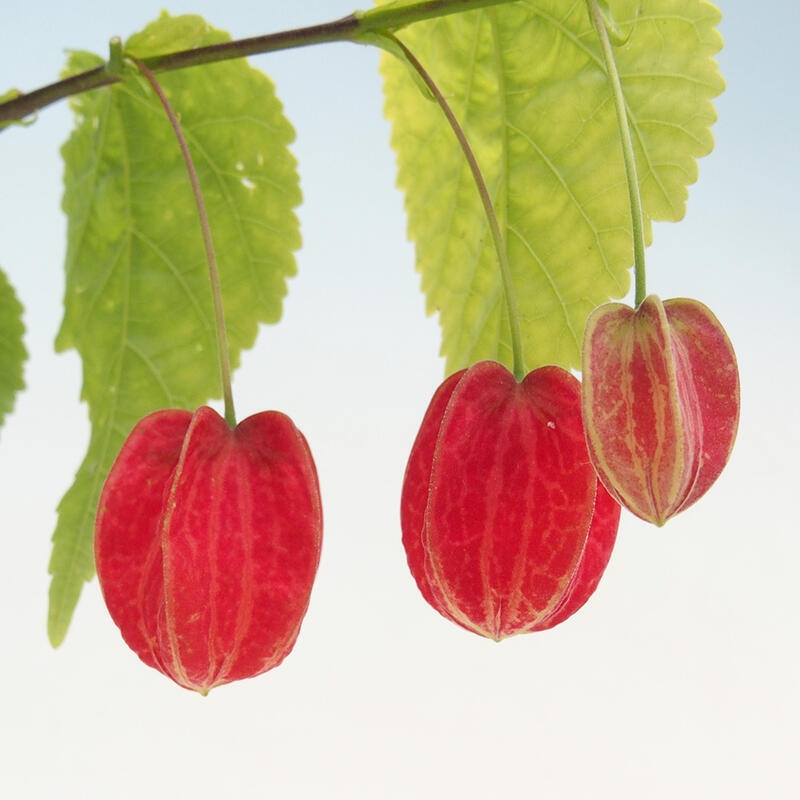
x,y
499,498
715,382
416,487
126,547
230,529
660,403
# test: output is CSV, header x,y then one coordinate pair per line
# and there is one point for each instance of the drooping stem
x,y
211,258
488,207
628,155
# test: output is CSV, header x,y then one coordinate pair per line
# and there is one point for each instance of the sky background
x,y
678,679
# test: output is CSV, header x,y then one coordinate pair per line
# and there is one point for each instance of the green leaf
x,y
528,84
12,350
138,303
13,94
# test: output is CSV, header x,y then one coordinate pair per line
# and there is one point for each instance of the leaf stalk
x,y
628,154
208,243
488,207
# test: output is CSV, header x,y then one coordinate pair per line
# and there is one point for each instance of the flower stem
x,y
488,207
213,272
628,155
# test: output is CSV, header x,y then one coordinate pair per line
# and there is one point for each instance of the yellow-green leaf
x,y
528,83
12,349
138,303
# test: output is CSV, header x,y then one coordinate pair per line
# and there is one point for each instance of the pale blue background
x,y
678,680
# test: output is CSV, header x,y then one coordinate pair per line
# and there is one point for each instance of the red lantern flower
x,y
207,543
505,525
660,403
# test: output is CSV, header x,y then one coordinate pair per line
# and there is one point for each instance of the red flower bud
x,y
660,403
207,543
505,525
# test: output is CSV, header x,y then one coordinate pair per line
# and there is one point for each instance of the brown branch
x,y
27,103
351,28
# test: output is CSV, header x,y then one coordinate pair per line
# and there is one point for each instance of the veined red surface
x,y
660,402
505,525
207,542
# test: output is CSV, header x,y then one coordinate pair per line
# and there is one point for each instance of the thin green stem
x,y
213,272
351,28
116,56
488,207
628,155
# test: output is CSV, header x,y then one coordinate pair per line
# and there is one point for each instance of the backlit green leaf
x,y
138,303
12,349
528,83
